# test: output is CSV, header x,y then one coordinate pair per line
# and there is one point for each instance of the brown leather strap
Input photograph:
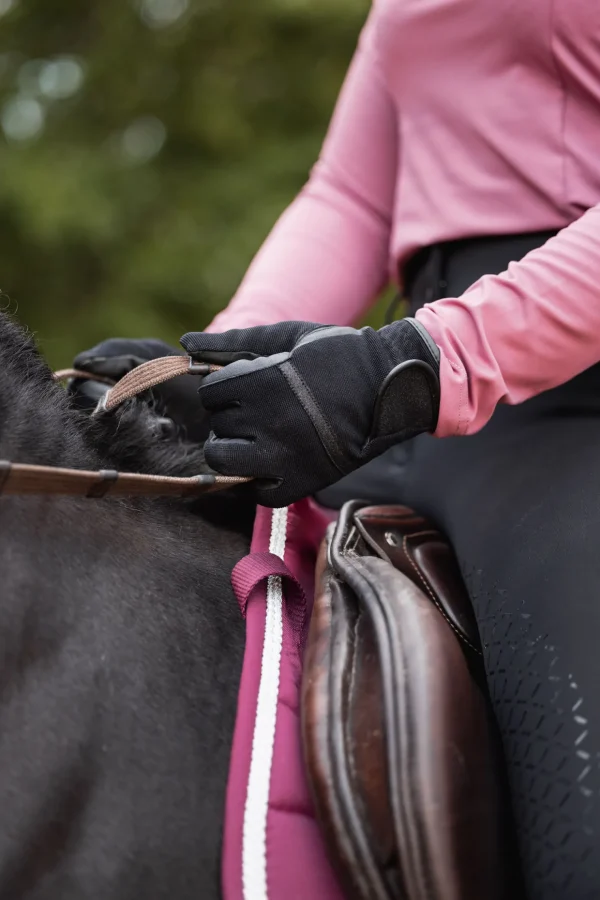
x,y
66,374
19,478
149,374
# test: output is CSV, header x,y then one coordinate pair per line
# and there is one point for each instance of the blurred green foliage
x,y
147,148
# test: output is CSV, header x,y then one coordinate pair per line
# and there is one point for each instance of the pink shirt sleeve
x,y
327,257
506,339
514,335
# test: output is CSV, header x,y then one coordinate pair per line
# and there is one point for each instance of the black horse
x,y
121,646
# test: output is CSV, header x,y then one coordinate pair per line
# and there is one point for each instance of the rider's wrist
x,y
407,339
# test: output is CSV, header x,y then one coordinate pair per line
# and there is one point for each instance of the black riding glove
x,y
298,405
177,399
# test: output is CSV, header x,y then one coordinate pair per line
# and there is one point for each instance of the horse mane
x,y
39,425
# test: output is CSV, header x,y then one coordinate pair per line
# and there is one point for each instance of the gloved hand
x,y
176,399
299,405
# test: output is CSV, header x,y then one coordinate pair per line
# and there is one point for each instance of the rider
x,y
463,152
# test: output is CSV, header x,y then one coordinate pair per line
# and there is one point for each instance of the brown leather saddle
x,y
401,749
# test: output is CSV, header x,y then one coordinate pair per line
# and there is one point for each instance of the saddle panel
x,y
401,749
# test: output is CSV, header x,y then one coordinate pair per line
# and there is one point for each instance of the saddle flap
x,y
400,747
413,546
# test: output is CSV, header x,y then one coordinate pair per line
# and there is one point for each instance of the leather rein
x,y
22,479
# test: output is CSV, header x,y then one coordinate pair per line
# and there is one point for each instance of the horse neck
x,y
122,646
37,424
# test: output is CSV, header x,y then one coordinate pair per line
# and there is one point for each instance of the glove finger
x,y
232,423
233,460
241,380
116,357
114,367
230,456
219,396
179,400
145,348
241,458
244,343
110,347
280,492
85,394
272,494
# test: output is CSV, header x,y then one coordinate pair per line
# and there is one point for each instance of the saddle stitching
x,y
352,682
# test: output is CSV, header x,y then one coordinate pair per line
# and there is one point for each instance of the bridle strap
x,y
66,374
148,375
19,478
22,479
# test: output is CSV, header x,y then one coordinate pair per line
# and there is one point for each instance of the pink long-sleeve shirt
x,y
457,118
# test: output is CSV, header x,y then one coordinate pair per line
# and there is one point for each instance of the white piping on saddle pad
x,y
254,840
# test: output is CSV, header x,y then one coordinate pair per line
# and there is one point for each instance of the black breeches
x,y
520,503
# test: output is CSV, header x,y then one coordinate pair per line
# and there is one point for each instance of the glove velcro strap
x,y
408,401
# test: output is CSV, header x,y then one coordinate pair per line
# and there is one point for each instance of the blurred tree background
x,y
147,147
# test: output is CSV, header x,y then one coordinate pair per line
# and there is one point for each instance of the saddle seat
x,y
401,749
